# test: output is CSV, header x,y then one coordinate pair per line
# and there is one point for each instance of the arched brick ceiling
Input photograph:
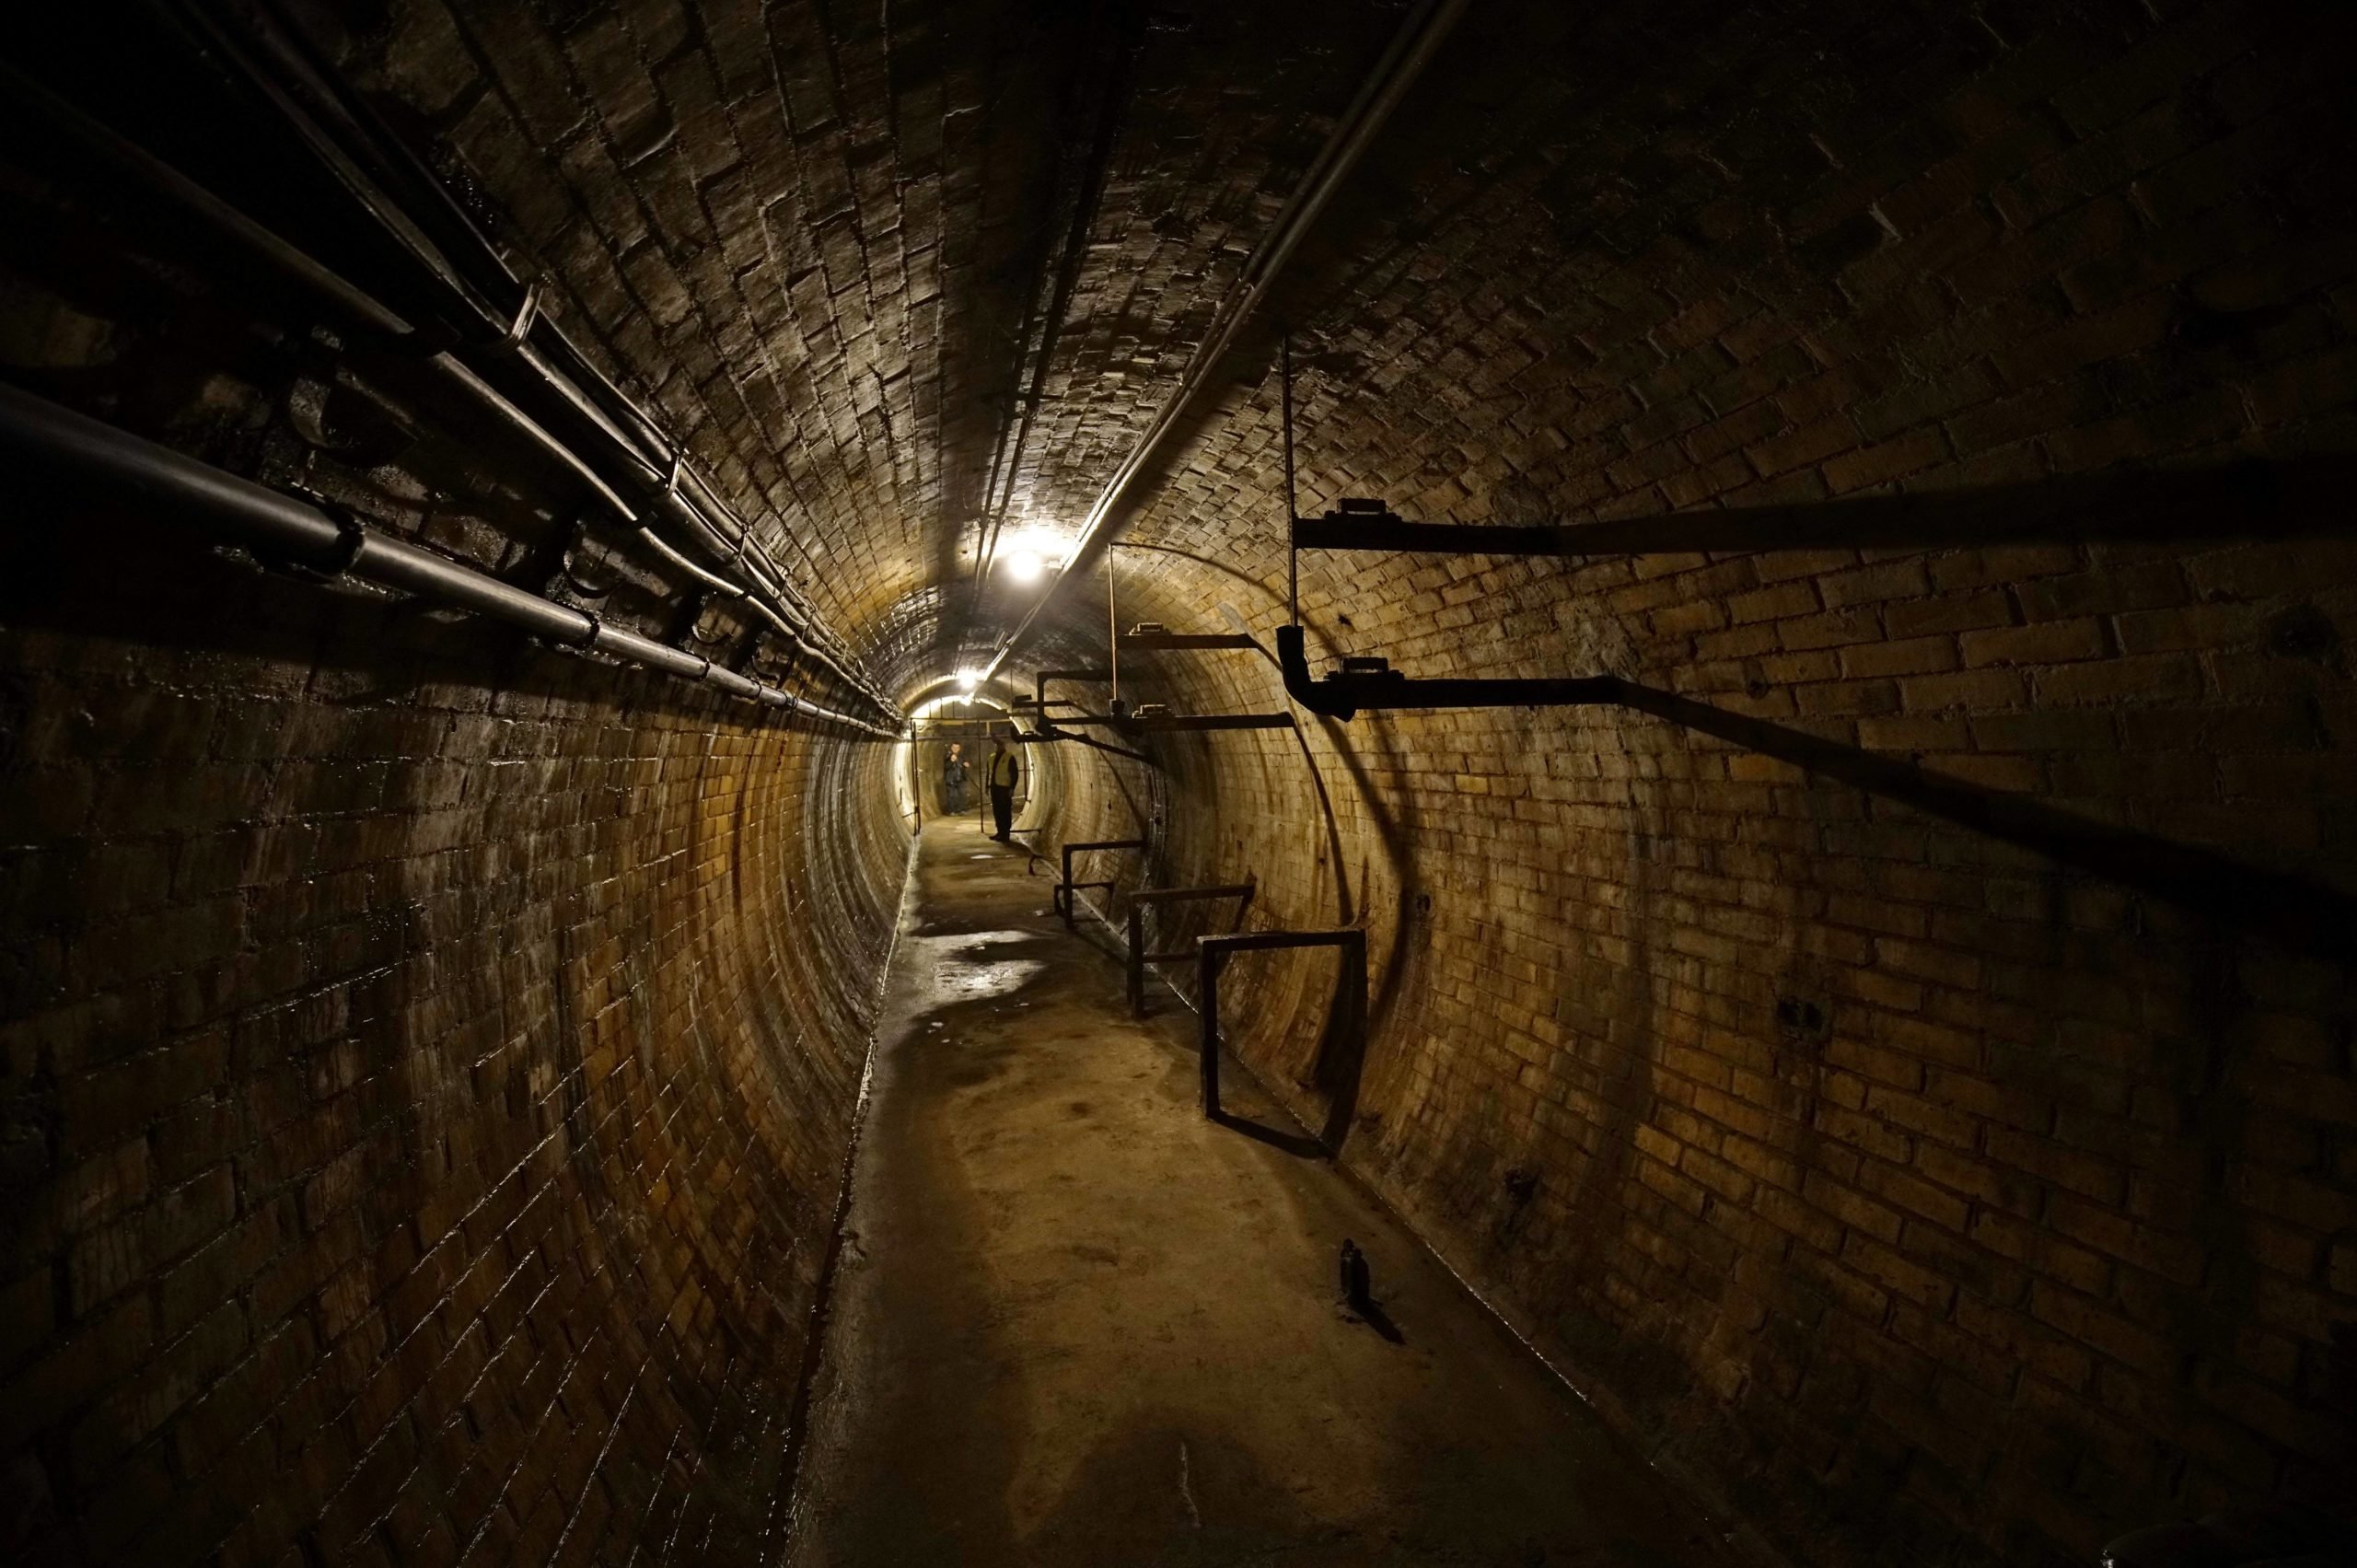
x,y
819,234
1920,1179
1606,260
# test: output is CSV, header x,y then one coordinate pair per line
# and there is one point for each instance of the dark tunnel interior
x,y
1674,676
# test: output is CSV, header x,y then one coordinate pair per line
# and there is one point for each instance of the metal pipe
x,y
397,564
812,710
249,514
1418,40
578,383
661,468
1293,507
728,681
1112,750
1173,724
1087,201
1180,640
460,373
280,527
1168,723
2289,908
1343,695
457,370
491,397
300,267
718,584
626,645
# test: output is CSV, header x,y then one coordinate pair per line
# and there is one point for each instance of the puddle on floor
x,y
966,982
969,969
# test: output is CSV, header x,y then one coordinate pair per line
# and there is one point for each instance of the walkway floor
x,y
1076,1323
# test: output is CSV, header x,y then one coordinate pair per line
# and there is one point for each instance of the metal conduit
x,y
280,527
1087,200
1418,40
456,370
128,157
578,383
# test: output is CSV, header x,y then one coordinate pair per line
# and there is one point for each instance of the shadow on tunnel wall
x,y
2294,911
2249,500
1339,1060
70,578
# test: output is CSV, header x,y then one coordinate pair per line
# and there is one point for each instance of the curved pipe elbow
x,y
1293,661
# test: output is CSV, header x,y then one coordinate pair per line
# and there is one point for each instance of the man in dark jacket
x,y
1005,769
953,779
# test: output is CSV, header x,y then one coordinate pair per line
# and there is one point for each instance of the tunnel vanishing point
x,y
1676,695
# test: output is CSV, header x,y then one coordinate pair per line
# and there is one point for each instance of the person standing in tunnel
x,y
953,779
1005,771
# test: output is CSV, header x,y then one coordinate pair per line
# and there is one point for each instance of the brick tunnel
x,y
1771,582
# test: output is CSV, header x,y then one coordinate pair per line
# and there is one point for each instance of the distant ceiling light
x,y
969,678
1025,565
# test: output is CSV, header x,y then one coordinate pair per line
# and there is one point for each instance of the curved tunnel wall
x,y
1908,1190
426,1097
1893,1178
430,1059
1900,1181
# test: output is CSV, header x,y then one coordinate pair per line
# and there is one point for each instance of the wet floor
x,y
1076,1323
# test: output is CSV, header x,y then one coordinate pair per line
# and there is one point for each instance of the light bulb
x,y
1025,565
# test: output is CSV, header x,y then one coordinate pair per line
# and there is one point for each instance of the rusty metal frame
x,y
1039,685
1211,953
1065,894
1139,957
1372,683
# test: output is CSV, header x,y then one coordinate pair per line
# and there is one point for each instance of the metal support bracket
x,y
520,327
1211,953
1170,724
1139,957
1139,638
1039,686
1063,895
1372,683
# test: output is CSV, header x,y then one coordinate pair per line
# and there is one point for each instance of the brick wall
x,y
1914,1194
429,1059
425,1116
1917,1194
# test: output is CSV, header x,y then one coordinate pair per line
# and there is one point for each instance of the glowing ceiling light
x,y
969,678
1023,564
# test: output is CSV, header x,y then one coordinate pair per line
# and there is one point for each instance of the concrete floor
x,y
1074,1322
